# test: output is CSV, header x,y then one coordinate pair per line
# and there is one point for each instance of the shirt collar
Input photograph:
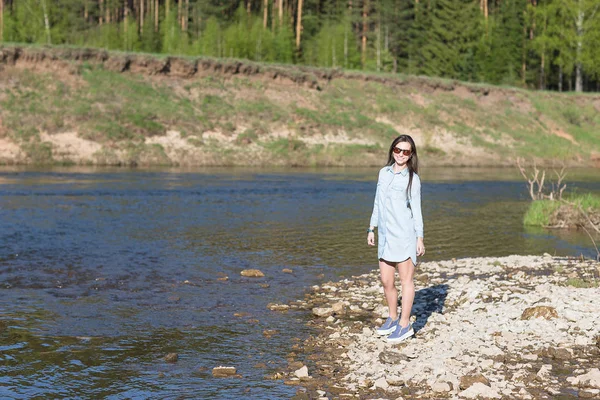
x,y
404,172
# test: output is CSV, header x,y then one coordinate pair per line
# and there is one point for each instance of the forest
x,y
536,44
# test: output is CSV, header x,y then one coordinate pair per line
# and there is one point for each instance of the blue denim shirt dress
x,y
397,217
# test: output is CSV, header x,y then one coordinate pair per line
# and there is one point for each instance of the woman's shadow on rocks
x,y
427,301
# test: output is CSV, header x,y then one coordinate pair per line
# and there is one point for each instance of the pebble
x,y
253,273
509,323
302,372
221,372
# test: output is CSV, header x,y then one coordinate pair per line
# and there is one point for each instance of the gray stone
x,y
391,357
468,380
302,372
252,273
545,312
221,372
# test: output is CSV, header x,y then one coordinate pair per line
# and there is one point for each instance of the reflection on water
x,y
103,272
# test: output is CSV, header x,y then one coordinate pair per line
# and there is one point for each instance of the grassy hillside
x,y
92,107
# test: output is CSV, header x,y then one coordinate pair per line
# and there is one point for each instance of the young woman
x,y
397,216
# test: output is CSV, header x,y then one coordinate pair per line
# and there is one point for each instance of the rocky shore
x,y
518,327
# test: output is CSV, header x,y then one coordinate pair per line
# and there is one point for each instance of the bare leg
x,y
388,273
406,270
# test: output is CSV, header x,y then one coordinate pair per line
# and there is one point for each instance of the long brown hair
x,y
412,163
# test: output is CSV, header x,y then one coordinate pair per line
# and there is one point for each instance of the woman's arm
x,y
415,205
374,217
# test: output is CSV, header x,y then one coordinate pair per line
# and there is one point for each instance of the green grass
x,y
540,211
582,283
120,110
587,201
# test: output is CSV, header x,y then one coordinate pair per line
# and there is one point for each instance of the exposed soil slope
x,y
83,106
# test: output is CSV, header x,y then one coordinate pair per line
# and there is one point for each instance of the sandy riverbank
x,y
518,327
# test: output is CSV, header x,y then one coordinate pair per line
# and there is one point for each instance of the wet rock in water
x,y
241,314
275,376
301,396
260,365
302,372
270,332
322,311
469,380
294,365
545,312
223,278
252,273
278,307
222,372
171,357
287,271
174,299
264,285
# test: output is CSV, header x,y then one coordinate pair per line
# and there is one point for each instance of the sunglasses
x,y
404,152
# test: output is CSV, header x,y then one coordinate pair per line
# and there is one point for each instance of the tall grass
x,y
540,212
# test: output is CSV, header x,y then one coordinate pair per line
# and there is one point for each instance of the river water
x,y
105,271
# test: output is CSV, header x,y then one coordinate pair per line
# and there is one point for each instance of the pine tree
x,y
505,43
451,29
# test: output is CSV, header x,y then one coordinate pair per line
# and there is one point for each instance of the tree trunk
x,y
265,13
346,45
542,72
378,47
524,51
280,11
101,13
186,16
560,78
125,27
365,26
1,20
179,15
46,22
387,39
299,25
107,13
333,57
156,11
142,16
578,75
85,11
167,6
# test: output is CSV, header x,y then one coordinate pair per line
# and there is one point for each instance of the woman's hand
x,y
420,247
371,239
